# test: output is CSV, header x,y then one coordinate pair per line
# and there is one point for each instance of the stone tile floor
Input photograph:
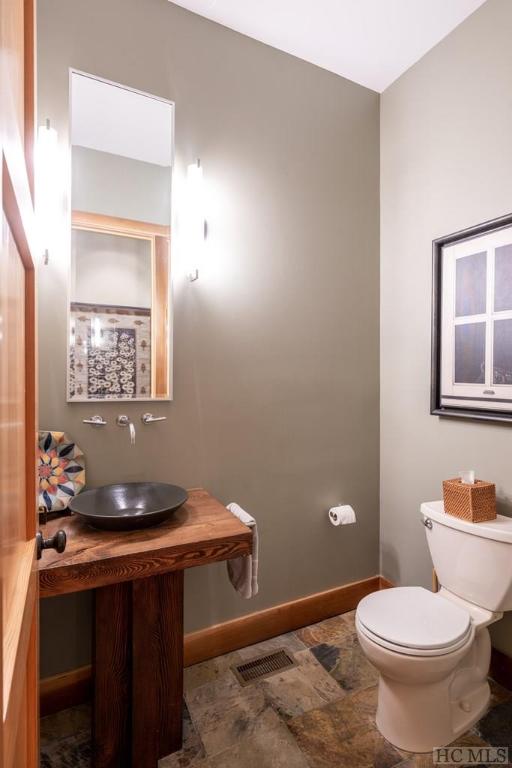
x,y
319,714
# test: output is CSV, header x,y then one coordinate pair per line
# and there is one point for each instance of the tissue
x,y
343,514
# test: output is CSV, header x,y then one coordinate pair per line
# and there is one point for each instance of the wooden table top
x,y
201,531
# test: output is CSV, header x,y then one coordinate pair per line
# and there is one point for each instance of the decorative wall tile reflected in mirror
x,y
119,297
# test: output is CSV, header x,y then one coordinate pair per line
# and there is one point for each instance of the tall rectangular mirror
x,y
120,288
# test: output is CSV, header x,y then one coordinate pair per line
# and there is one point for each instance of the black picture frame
x,y
436,409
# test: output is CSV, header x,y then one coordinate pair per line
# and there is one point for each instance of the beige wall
x,y
446,160
276,346
109,269
120,186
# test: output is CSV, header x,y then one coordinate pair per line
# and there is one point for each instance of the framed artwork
x,y
472,323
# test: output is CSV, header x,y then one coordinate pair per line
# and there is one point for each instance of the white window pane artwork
x,y
470,353
472,323
502,352
503,278
471,284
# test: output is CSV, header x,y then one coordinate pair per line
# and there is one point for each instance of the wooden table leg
x,y
112,677
157,683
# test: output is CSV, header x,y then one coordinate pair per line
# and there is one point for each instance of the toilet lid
x,y
413,617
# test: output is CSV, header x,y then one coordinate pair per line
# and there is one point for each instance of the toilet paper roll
x,y
343,514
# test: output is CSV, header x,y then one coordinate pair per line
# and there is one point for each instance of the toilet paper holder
x,y
342,514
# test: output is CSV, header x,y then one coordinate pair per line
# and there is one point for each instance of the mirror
x,y
119,293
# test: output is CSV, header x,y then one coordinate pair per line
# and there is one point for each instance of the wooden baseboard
x,y
232,635
75,687
65,690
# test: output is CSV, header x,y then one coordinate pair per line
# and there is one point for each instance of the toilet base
x,y
427,703
421,718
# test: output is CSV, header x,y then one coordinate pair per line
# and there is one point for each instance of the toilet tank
x,y
472,560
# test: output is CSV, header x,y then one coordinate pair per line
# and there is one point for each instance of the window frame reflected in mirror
x,y
158,236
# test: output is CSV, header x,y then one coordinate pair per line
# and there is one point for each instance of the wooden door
x,y
18,500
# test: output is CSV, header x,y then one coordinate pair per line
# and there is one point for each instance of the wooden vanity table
x,y
138,581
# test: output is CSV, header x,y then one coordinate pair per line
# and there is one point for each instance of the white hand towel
x,y
243,571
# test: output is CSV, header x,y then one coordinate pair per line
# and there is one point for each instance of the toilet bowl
x,y
432,688
432,650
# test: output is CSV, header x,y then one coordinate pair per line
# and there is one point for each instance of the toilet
x,y
432,650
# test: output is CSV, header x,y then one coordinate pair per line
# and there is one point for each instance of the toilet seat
x,y
406,651
414,621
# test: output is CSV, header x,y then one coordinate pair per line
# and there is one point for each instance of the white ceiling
x,y
110,118
371,42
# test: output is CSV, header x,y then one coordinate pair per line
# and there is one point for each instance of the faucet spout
x,y
124,421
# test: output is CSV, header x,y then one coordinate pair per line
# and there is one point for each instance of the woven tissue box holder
x,y
473,502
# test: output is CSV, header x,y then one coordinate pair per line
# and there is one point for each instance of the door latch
x,y
57,542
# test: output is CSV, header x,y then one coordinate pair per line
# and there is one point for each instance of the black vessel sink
x,y
127,506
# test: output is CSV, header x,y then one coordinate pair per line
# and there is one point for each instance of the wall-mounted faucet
x,y
124,421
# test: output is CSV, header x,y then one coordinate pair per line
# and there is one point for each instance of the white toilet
x,y
432,650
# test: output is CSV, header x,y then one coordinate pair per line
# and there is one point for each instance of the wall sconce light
x,y
195,224
47,180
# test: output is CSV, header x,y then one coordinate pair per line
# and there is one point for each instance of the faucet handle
x,y
147,418
96,421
